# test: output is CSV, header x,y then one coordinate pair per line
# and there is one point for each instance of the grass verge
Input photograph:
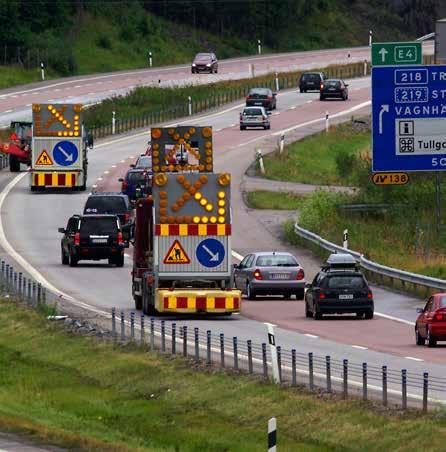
x,y
273,200
80,393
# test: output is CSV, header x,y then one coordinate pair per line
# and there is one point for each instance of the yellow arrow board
x,y
390,178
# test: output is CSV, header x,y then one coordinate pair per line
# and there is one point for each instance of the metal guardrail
x,y
373,267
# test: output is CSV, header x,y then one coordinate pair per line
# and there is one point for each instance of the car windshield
x,y
144,162
252,111
203,56
105,204
137,177
98,226
276,260
310,77
345,282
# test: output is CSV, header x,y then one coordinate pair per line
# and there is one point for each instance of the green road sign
x,y
396,53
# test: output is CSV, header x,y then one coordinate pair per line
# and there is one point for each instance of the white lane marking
x,y
78,86
359,347
414,359
113,166
8,111
106,172
99,178
311,335
28,105
294,107
232,125
94,186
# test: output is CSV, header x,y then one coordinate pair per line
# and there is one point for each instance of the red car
x,y
431,323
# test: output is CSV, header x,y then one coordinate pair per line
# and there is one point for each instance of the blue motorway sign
x,y
65,153
210,253
409,118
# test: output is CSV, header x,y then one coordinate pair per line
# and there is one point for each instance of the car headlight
x,y
208,65
193,64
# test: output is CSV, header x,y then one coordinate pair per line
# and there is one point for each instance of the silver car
x,y
270,273
254,117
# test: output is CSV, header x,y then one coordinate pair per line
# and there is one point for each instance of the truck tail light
x,y
258,275
322,295
300,275
369,295
120,239
77,238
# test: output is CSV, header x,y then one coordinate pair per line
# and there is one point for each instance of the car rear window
x,y
137,177
99,226
259,91
252,111
311,77
276,260
335,83
105,204
144,162
345,282
442,302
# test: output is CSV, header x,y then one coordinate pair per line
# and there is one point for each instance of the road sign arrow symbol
x,y
214,257
68,157
384,109
383,52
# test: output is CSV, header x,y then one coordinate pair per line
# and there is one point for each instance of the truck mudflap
x,y
198,300
54,179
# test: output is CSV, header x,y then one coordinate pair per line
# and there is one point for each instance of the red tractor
x,y
19,146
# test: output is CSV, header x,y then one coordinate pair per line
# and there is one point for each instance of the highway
x,y
31,232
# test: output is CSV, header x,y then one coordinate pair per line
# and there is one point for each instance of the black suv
x,y
112,203
311,81
339,288
92,237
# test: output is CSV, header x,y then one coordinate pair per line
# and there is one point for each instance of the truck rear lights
x,y
300,275
77,238
258,275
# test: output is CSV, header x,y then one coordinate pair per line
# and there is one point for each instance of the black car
x,y
333,89
311,81
92,237
137,183
339,288
262,97
113,204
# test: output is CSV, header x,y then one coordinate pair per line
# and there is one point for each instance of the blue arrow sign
x,y
409,118
65,153
210,253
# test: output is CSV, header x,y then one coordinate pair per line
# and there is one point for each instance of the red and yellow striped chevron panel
x,y
55,179
199,300
192,229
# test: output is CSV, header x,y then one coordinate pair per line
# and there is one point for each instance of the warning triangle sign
x,y
176,254
44,159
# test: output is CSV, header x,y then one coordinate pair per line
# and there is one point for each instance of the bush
x,y
104,42
345,162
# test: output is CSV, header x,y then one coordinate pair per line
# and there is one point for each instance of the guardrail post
x,y
20,282
152,333
345,369
15,282
279,361
328,372
404,388
132,326
265,363
174,338
143,331
235,349
11,278
7,277
34,293
113,323
39,293
44,295
425,390
260,159
364,381
185,341
311,371
293,368
249,346
365,68
30,291
222,350
384,378
163,336
197,345
122,327
208,347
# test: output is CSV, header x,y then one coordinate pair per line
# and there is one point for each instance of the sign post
x,y
396,53
272,345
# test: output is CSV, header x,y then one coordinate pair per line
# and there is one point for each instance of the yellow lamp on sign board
x,y
160,180
198,196
209,207
76,117
65,134
176,137
180,179
203,179
59,134
50,107
36,108
221,211
213,220
70,134
155,146
221,203
204,220
76,134
203,201
186,136
156,133
196,220
192,130
171,131
208,144
221,194
224,179
221,220
208,167
207,132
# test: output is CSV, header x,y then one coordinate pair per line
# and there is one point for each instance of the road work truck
x,y
182,242
59,147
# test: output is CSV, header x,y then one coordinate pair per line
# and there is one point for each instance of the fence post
x,y
113,322
265,363
235,349
174,338
328,372
293,368
33,300
345,368
20,283
7,277
132,326
311,370
425,390
185,341
197,347
222,350
163,336
208,347
122,327
152,334
404,388
143,331
365,68
364,381
384,377
249,346
279,361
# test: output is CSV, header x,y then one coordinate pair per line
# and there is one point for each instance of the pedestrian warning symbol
x,y
44,159
176,255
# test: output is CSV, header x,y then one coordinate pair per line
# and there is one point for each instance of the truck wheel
x,y
14,164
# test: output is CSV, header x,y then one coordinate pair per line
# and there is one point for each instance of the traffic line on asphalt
x,y
414,359
313,336
397,319
359,347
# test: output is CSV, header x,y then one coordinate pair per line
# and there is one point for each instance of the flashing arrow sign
x,y
396,53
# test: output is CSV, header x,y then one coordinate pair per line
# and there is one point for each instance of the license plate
x,y
257,103
280,275
331,89
253,118
346,297
99,240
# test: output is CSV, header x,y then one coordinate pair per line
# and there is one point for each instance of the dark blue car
x,y
137,183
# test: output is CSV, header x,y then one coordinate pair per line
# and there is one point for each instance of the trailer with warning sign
x,y
60,143
182,243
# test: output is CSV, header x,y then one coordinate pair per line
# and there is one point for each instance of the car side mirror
x,y
420,310
307,285
274,94
236,266
90,141
345,84
120,179
268,113
132,165
61,230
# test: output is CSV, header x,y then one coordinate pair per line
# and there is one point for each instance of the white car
x,y
254,117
